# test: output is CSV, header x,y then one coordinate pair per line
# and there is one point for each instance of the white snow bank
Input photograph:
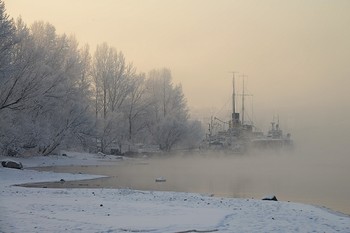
x,y
71,158
111,210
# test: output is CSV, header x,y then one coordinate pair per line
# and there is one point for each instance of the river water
x,y
291,177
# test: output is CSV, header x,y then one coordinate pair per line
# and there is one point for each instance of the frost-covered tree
x,y
61,104
8,40
168,113
12,96
194,135
45,99
113,83
136,107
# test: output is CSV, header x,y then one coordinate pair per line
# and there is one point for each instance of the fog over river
x,y
296,177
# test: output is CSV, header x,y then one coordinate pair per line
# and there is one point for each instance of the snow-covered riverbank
x,y
110,210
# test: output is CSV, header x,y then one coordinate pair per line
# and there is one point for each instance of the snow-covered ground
x,y
124,210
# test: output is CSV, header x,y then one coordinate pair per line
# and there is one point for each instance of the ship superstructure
x,y
238,136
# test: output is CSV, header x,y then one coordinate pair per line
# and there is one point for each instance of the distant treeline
x,y
55,94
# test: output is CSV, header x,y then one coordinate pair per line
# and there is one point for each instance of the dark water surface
x,y
293,178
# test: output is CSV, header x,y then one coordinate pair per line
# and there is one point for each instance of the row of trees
x,y
55,94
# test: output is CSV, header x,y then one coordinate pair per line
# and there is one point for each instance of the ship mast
x,y
233,96
243,95
233,99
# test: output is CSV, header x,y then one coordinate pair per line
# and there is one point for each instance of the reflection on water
x,y
290,177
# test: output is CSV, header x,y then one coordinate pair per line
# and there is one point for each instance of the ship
x,y
275,139
240,136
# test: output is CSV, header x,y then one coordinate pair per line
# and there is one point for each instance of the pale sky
x,y
295,53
